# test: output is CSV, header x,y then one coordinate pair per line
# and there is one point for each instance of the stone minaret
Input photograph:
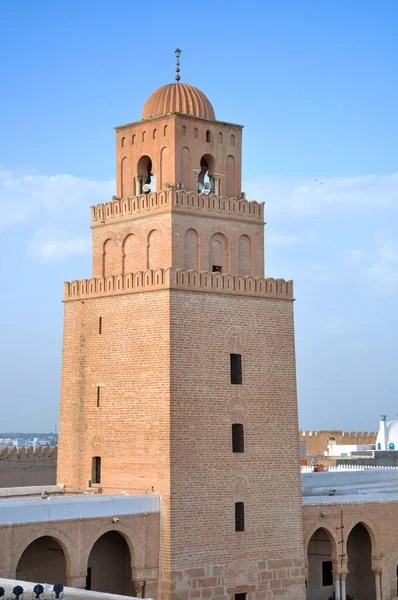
x,y
179,365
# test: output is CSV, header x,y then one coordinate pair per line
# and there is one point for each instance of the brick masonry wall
x,y
129,362
124,247
153,239
175,155
207,478
144,441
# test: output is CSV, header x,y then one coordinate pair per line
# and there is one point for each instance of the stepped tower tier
x,y
178,229
178,142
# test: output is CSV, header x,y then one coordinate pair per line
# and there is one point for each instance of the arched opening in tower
x,y
43,560
109,566
146,178
205,175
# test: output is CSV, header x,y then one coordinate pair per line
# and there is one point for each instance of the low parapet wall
x,y
20,467
69,592
121,209
205,281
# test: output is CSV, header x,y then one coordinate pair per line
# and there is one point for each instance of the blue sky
x,y
316,86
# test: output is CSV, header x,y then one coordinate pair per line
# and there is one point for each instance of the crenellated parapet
x,y
123,209
336,433
29,453
181,279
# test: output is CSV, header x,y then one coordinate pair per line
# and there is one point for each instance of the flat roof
x,y
59,508
372,485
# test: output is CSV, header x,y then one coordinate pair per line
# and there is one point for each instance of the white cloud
x,y
54,246
27,195
312,196
382,272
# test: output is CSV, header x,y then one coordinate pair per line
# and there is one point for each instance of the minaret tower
x,y
179,365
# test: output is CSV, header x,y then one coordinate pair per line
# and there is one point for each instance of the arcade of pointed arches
x,y
344,561
109,563
193,176
128,257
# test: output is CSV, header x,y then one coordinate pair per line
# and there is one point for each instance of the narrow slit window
x,y
96,469
98,395
239,516
100,325
236,369
238,443
217,268
327,573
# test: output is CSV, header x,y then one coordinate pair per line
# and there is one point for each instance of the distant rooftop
x,y
345,487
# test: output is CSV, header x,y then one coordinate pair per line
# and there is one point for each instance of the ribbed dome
x,y
181,98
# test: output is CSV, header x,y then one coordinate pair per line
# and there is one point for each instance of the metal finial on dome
x,y
178,54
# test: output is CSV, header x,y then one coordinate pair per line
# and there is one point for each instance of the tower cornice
x,y
178,279
182,116
125,209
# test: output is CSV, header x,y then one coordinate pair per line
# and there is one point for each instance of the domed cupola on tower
x,y
178,98
178,144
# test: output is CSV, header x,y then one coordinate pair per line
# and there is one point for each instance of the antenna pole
x,y
178,54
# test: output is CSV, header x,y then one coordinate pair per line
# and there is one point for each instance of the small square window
x,y
240,596
217,269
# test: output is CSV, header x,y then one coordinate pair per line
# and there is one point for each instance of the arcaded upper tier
x,y
178,98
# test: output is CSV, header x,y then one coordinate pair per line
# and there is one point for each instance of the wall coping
x,y
81,506
124,209
30,490
69,592
178,279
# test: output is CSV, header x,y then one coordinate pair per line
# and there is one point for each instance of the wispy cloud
x,y
55,246
382,272
28,196
54,210
378,264
312,196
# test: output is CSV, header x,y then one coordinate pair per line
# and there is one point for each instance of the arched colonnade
x,y
108,563
344,561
